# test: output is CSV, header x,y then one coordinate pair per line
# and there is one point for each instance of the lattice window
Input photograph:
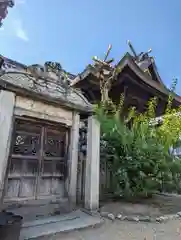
x,y
26,144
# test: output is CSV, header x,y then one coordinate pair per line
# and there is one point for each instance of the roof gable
x,y
146,63
129,61
147,66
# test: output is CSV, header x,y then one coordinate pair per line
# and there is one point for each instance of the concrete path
x,y
126,231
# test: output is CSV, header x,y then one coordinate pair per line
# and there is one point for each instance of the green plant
x,y
138,154
135,148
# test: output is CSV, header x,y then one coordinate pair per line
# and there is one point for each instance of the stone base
x,y
35,209
58,224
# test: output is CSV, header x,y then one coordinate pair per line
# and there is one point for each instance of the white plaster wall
x,y
7,100
38,109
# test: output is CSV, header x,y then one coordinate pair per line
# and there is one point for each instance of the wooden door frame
x,y
42,122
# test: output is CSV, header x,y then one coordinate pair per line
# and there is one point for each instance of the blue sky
x,y
72,31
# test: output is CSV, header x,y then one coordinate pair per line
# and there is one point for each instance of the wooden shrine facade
x,y
138,79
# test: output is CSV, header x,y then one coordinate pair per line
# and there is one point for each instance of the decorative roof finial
x,y
141,56
149,51
132,49
105,61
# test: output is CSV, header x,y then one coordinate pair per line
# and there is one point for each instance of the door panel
x,y
45,185
28,187
37,165
13,187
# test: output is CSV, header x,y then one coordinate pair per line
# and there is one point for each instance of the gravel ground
x,y
122,230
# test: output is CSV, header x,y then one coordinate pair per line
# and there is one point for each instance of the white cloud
x,y
13,25
20,2
20,32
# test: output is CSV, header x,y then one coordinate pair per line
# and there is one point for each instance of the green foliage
x,y
137,150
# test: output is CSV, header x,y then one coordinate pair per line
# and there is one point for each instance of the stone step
x,y
33,211
58,224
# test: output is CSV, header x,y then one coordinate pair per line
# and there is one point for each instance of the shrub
x,y
137,150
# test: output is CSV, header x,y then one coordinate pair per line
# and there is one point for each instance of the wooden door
x,y
37,163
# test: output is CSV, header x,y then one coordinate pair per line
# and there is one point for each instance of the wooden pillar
x,y
92,165
73,159
7,102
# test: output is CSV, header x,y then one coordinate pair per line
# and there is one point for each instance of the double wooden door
x,y
38,161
